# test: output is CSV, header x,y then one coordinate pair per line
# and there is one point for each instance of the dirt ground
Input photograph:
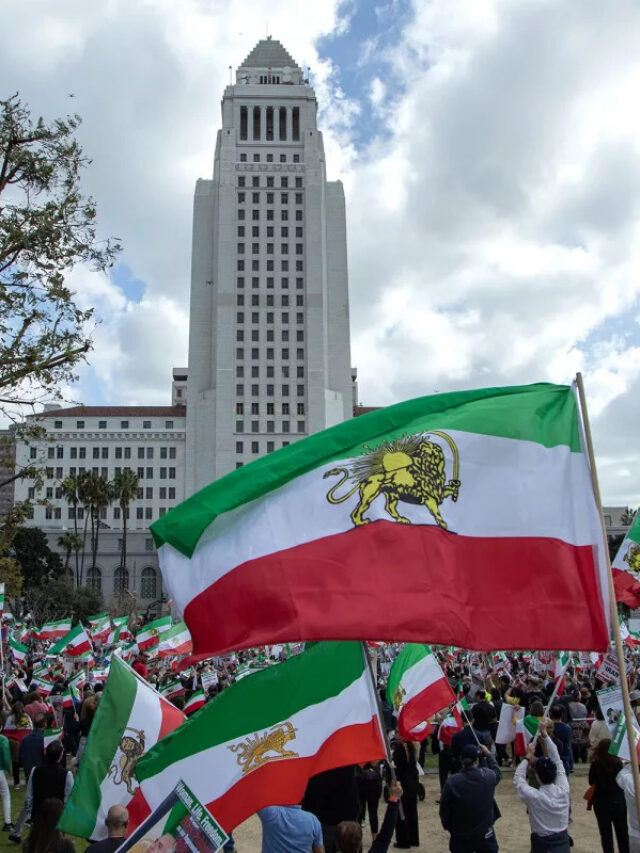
x,y
512,830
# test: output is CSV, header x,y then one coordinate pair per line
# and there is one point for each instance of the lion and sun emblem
x,y
632,558
409,469
254,751
132,748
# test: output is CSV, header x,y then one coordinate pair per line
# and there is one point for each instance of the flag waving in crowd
x,y
417,689
626,567
431,486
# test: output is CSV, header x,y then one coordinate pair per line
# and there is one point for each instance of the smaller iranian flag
x,y
174,688
78,681
561,663
15,733
131,707
452,723
52,734
195,703
149,635
97,619
526,730
54,630
43,686
1,599
130,651
18,651
620,741
118,631
417,689
175,641
68,699
75,643
626,567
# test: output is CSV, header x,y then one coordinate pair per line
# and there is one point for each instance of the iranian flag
x,y
560,666
620,741
54,630
526,729
68,699
15,733
626,567
452,723
457,495
75,643
99,630
195,703
1,599
50,735
18,651
118,631
149,635
173,689
129,709
176,641
266,735
417,689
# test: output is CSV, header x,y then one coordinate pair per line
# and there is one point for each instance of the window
x,y
255,181
148,513
300,390
239,316
285,317
299,249
162,492
116,513
255,390
269,120
148,582
270,181
255,426
269,390
298,216
299,353
239,335
140,494
57,424
284,181
256,158
298,198
299,300
270,282
255,408
243,157
172,493
241,180
300,426
269,248
285,390
284,215
240,282
241,214
271,426
269,158
255,266
255,371
96,452
79,424
149,473
295,124
239,411
118,453
284,231
255,317
270,409
282,124
269,317
270,446
162,510
284,198
283,158
296,158
284,333
298,182
239,352
141,453
48,513
239,465
59,452
299,283
172,473
51,452
59,473
94,579
284,282
284,266
163,473
255,215
33,452
146,424
270,215
241,197
239,389
255,198
239,446
148,544
269,199
254,352
239,426
149,452
127,453
255,335
255,230
255,447
243,126
240,265
149,493
31,493
141,473
120,579
240,248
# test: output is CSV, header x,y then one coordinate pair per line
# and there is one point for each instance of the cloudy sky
x,y
490,151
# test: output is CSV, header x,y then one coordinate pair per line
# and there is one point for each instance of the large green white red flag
x,y
148,636
54,630
76,642
477,502
175,641
417,689
131,718
261,739
626,567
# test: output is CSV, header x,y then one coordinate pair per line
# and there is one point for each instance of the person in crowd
x,y
483,714
87,713
562,737
625,781
387,711
44,836
31,751
468,809
370,790
332,797
5,769
599,730
34,705
349,833
608,800
290,829
579,728
140,665
48,780
548,804
116,822
18,720
405,761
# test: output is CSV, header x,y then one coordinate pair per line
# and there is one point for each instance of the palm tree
x,y
102,496
125,490
70,494
70,542
627,517
84,497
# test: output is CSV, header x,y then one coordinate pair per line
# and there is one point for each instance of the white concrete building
x,y
269,353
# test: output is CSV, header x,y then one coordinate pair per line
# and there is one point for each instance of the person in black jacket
x,y
332,796
349,833
405,760
608,801
467,804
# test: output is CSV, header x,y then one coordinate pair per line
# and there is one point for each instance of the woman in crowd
x,y
405,760
18,720
608,800
370,791
44,837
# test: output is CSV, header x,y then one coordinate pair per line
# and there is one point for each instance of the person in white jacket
x,y
548,805
625,780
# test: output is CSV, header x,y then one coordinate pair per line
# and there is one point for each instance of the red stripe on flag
x,y
171,718
437,696
474,592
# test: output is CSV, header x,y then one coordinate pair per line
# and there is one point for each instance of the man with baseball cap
x,y
548,805
467,806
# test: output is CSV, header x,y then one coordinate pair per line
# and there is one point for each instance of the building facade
x,y
269,352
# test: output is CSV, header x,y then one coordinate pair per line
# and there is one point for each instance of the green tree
x,y
60,598
97,494
70,492
70,541
38,563
627,517
47,227
125,491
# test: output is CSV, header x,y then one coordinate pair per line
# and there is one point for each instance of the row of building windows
x,y
269,198
255,266
103,425
268,316
268,390
255,336
269,281
255,231
269,248
143,473
103,452
270,215
270,408
255,181
271,426
269,353
273,124
255,371
269,158
148,581
270,299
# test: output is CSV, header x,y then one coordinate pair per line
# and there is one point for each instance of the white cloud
x,y
493,222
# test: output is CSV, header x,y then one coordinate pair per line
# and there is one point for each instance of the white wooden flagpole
x,y
615,625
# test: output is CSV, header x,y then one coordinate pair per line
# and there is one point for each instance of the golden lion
x,y
252,752
632,558
132,750
411,469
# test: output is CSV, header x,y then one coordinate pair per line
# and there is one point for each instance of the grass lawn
x,y
17,800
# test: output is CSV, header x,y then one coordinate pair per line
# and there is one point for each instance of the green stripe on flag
x,y
263,700
542,413
114,710
409,655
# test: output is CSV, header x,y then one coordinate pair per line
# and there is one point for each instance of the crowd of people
x,y
337,803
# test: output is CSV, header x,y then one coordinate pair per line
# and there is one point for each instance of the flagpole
x,y
381,724
615,625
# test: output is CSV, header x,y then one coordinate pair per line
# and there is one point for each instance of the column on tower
x,y
288,123
263,124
